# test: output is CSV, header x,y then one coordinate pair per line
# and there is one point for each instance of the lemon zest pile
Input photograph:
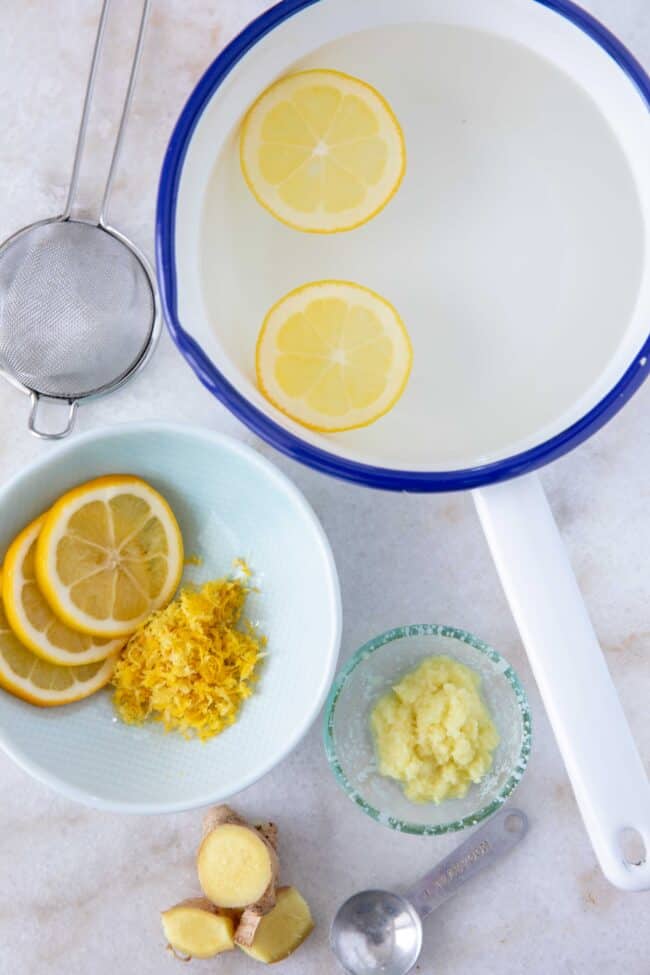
x,y
188,665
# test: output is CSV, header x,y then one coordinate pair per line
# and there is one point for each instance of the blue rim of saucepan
x,y
259,422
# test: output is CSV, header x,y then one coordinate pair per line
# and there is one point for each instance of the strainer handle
x,y
85,114
50,434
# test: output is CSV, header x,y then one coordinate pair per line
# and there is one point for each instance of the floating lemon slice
x,y
29,677
109,553
333,356
30,616
322,151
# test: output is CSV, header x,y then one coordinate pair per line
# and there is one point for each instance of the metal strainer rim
x,y
155,326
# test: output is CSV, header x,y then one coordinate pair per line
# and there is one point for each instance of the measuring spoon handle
x,y
503,832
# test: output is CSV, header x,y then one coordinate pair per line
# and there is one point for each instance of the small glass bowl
x,y
375,668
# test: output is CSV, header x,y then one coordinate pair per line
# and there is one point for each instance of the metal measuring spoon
x,y
379,931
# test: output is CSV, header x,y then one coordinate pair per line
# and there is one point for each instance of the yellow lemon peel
x,y
189,666
193,560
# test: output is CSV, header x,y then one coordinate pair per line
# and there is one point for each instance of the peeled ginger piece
x,y
195,929
283,929
237,863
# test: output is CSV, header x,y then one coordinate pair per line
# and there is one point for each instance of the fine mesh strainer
x,y
78,305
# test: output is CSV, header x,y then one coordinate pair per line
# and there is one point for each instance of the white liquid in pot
x,y
513,249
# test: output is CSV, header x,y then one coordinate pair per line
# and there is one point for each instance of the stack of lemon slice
x,y
77,581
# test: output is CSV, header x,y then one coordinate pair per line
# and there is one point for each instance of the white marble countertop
x,y
80,890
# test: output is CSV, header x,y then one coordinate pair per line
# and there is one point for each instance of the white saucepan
x,y
516,252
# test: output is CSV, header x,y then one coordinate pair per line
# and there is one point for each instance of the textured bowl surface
x,y
376,667
230,503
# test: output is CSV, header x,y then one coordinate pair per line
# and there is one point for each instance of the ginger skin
x,y
237,865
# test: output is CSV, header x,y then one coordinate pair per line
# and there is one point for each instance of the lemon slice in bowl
x,y
322,151
30,616
333,356
109,554
39,682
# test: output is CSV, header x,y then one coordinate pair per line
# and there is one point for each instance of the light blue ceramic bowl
x,y
230,503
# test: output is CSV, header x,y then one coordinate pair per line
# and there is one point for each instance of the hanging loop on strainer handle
x,y
85,115
50,434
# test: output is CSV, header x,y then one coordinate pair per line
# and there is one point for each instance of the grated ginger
x,y
187,665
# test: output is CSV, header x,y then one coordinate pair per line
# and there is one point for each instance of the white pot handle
x,y
602,760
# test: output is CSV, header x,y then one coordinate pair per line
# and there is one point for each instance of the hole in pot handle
x,y
633,847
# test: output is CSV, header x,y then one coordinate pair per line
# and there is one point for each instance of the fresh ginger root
x,y
238,868
237,864
281,931
195,929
